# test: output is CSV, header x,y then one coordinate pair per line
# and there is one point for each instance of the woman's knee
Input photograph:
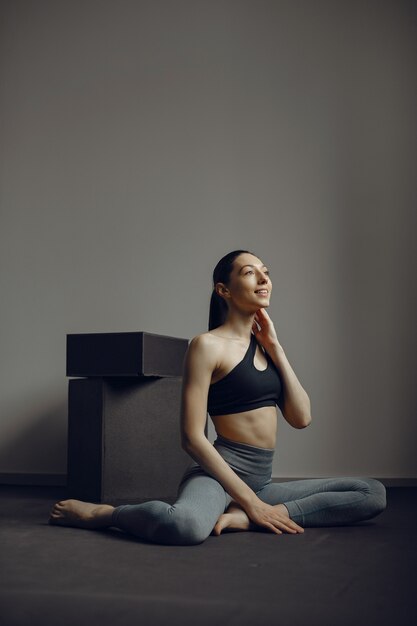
x,y
377,497
185,527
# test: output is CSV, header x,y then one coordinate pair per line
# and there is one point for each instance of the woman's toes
x,y
221,523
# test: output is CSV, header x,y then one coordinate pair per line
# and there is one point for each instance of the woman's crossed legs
x,y
202,507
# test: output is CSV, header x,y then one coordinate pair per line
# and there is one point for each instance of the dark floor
x,y
362,574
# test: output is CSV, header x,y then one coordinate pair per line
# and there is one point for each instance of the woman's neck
x,y
238,325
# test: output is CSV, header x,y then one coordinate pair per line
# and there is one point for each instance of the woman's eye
x,y
251,272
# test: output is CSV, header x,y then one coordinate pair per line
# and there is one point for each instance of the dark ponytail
x,y
221,274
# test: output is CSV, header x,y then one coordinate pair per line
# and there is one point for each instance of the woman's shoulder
x,y
204,350
211,337
208,343
206,340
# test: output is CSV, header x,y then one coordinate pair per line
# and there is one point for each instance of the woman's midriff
x,y
256,428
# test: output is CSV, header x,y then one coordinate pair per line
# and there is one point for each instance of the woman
x,y
238,372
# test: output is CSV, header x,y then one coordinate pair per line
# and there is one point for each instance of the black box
x,y
125,354
124,442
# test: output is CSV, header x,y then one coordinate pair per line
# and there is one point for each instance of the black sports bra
x,y
245,387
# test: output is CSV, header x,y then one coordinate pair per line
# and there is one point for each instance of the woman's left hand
x,y
266,334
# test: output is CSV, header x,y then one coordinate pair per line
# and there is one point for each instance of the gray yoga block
x,y
124,442
125,354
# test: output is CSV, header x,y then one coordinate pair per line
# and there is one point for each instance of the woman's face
x,y
250,285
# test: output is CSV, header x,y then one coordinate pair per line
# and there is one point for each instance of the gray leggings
x,y
201,499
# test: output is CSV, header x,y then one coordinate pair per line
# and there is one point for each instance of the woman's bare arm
x,y
199,363
294,401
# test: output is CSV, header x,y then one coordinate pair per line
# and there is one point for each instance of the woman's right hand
x,y
266,515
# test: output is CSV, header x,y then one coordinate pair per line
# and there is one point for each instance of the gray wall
x,y
141,141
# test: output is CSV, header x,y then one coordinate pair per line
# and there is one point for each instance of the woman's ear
x,y
221,290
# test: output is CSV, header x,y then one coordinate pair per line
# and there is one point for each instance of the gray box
x,y
125,354
124,442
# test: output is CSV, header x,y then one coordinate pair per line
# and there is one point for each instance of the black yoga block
x,y
125,354
124,441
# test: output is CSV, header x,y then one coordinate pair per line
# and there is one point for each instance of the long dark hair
x,y
221,274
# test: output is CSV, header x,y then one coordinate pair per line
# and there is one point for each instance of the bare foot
x,y
81,514
235,518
